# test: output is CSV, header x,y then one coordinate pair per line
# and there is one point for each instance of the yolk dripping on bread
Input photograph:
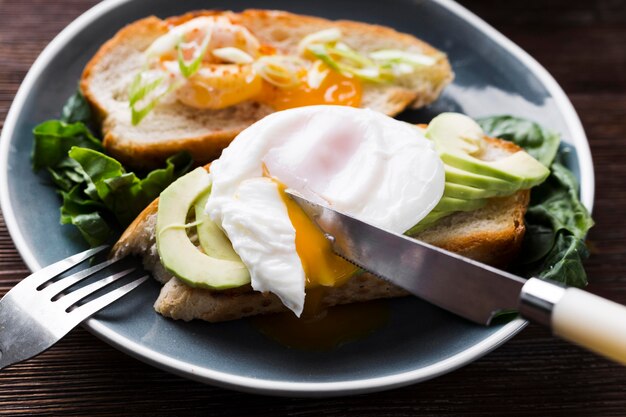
x,y
322,267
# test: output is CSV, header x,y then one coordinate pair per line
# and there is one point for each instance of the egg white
x,y
361,162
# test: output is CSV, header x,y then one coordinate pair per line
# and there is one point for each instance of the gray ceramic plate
x,y
420,341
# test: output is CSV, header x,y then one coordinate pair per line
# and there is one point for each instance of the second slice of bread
x,y
172,126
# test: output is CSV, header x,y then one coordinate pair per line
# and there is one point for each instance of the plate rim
x,y
267,386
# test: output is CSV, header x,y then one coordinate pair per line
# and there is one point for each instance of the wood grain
x,y
583,44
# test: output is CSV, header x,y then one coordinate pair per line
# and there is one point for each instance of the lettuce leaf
x,y
556,220
54,139
98,196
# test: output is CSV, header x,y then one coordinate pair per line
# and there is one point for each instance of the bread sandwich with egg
x,y
193,82
448,185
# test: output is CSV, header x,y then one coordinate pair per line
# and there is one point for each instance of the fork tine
x,y
82,312
51,271
55,288
75,296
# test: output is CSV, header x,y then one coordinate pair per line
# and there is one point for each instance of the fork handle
x,y
592,322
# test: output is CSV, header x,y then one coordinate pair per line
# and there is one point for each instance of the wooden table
x,y
583,44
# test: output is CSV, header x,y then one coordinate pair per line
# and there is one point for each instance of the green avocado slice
x,y
458,140
430,219
212,239
178,254
449,204
462,177
469,193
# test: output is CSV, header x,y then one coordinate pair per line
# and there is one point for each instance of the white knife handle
x,y
592,322
580,317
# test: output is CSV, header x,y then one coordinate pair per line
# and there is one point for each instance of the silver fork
x,y
34,316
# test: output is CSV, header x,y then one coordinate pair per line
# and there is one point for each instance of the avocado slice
x,y
212,239
458,140
462,177
178,254
469,193
427,221
449,204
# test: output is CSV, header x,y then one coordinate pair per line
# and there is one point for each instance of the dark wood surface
x,y
583,44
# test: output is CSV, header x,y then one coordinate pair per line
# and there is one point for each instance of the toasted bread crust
x,y
496,246
210,135
145,27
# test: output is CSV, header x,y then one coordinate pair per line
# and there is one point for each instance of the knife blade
x,y
458,284
471,289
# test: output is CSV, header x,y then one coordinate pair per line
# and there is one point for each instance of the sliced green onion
x,y
138,115
234,55
279,70
322,37
321,53
316,75
403,56
372,73
400,62
140,90
348,54
345,60
189,69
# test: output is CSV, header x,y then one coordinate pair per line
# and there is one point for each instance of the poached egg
x,y
360,162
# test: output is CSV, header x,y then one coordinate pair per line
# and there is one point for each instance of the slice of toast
x,y
492,234
172,126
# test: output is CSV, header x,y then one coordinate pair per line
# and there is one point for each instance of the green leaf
x,y
76,109
123,194
538,242
98,196
93,228
556,203
556,221
84,213
75,202
540,143
54,138
564,263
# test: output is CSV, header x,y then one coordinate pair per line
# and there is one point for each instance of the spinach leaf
x,y
556,203
556,220
564,263
98,196
77,110
541,143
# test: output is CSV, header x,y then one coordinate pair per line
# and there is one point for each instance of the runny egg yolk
x,y
334,89
224,85
219,86
322,267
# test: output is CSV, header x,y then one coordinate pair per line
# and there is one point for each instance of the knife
x,y
470,289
